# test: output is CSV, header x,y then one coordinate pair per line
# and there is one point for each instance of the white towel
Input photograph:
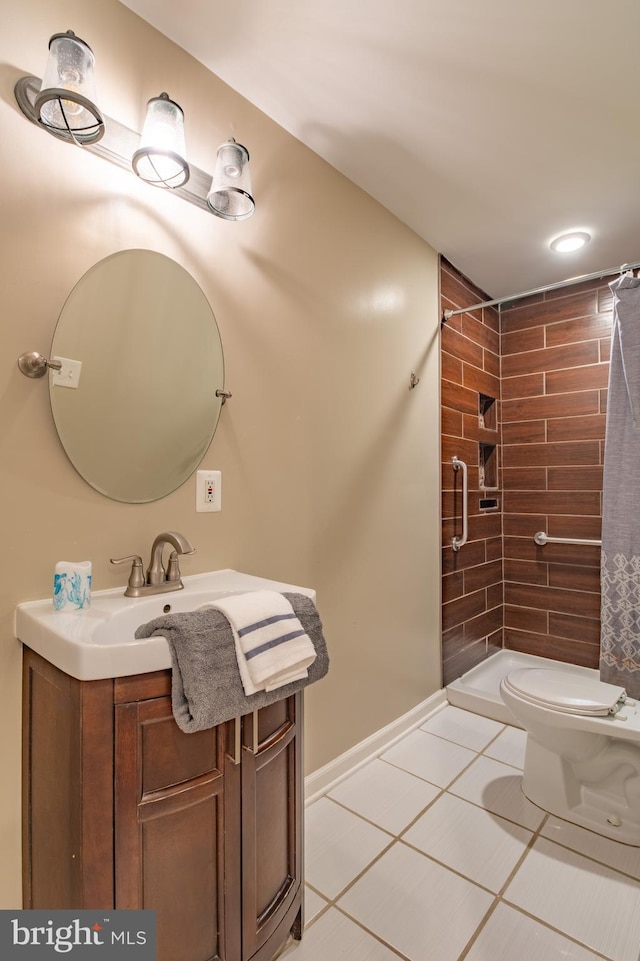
x,y
272,647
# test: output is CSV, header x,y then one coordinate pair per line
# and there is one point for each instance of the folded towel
x,y
206,688
271,645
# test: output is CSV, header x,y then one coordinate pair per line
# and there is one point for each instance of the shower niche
x,y
488,452
488,466
487,412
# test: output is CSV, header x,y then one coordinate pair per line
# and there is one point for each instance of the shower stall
x,y
523,405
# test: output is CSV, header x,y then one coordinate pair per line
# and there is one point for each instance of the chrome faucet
x,y
157,580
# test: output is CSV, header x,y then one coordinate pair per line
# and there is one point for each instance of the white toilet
x,y
582,760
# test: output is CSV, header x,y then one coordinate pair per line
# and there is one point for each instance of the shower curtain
x,y
620,561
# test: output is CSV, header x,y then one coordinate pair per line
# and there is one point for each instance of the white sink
x,y
100,641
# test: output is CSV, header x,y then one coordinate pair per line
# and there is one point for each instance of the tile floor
x,y
431,852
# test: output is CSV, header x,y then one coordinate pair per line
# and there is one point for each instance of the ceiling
x,y
487,126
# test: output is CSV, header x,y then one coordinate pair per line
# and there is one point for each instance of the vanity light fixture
x,y
230,195
568,242
63,104
160,158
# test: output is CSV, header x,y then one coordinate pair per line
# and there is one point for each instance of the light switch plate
x,y
68,375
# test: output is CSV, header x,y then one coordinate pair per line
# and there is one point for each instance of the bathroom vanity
x,y
124,810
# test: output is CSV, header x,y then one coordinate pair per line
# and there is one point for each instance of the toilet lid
x,y
564,691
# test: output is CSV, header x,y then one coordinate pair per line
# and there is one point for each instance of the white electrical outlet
x,y
208,490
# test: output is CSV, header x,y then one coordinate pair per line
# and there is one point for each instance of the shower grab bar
x,y
459,541
542,538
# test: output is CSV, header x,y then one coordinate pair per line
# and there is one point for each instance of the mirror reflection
x,y
144,410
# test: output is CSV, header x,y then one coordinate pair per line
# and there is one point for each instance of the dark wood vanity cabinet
x,y
124,810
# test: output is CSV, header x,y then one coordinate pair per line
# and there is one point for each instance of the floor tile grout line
x,y
400,836
363,817
476,755
590,857
498,897
529,847
333,901
377,937
448,867
441,792
483,752
491,757
419,777
399,768
478,931
497,814
432,783
335,898
448,789
551,927
377,754
401,839
479,807
451,740
396,836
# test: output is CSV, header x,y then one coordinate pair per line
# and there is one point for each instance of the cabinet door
x,y
177,830
67,796
271,827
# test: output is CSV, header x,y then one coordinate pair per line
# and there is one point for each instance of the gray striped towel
x,y
206,689
271,645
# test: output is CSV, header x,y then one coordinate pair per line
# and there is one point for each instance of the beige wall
x,y
325,304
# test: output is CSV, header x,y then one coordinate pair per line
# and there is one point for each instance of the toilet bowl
x,y
582,760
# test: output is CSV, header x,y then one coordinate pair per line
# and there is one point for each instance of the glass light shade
x,y
230,194
65,104
160,158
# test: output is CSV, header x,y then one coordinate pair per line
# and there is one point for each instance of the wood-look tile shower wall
x,y
554,363
555,369
472,578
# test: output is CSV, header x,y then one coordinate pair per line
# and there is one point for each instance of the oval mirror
x,y
144,410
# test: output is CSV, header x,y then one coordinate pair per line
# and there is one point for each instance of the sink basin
x,y
100,641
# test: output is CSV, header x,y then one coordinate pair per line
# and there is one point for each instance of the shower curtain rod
x,y
446,314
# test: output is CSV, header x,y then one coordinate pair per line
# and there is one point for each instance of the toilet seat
x,y
564,692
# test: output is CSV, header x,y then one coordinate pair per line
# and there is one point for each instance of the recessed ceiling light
x,y
573,240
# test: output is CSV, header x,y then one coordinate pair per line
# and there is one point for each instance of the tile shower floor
x,y
431,852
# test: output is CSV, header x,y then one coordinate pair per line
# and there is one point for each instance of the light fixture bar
x,y
118,145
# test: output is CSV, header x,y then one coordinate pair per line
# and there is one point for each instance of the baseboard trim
x,y
325,778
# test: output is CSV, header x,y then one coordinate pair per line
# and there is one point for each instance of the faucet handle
x,y
136,577
173,567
